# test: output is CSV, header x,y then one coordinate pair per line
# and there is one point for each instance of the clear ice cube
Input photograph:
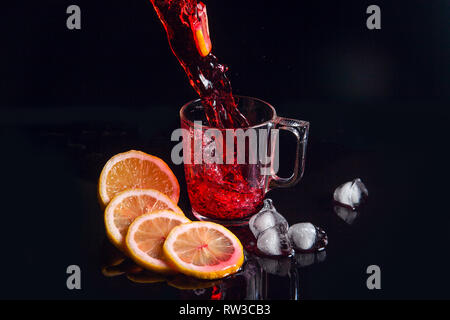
x,y
274,241
266,218
307,237
351,193
302,235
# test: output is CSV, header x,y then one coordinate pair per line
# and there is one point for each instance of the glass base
x,y
230,223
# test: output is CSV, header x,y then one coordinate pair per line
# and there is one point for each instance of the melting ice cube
x,y
274,241
307,237
302,235
266,218
351,193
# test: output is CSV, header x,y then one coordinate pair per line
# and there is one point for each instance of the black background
x,y
377,101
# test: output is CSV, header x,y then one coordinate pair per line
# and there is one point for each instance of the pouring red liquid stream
x,y
186,24
216,191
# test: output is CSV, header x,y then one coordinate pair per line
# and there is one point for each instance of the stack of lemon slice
x,y
143,220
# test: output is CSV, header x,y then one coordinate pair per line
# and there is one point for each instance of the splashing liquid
x,y
218,191
186,24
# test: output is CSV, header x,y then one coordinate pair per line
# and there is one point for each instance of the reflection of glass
x,y
277,266
247,284
288,267
252,276
234,190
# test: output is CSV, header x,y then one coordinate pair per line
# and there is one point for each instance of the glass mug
x,y
232,190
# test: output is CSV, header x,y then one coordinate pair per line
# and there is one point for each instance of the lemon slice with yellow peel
x,y
130,204
146,236
204,250
136,170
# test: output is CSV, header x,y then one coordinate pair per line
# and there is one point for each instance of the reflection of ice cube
x,y
305,259
278,266
267,218
274,241
346,214
351,193
321,256
302,235
310,258
199,292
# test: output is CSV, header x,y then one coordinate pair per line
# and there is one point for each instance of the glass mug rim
x,y
191,103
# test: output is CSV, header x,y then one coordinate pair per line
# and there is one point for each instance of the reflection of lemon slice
x,y
112,271
183,282
204,250
146,236
110,255
146,277
130,204
129,267
136,170
126,266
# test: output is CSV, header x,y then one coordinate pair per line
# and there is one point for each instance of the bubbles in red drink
x,y
219,190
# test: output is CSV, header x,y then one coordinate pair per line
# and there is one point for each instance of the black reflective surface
x,y
52,218
377,103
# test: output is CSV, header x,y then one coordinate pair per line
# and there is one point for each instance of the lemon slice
x,y
136,170
204,250
146,236
130,204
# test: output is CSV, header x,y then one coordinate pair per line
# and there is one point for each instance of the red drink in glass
x,y
230,192
223,192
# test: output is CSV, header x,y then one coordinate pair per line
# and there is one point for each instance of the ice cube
x,y
266,218
274,241
302,235
268,205
351,193
321,239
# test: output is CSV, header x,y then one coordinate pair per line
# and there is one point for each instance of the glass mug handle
x,y
300,130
